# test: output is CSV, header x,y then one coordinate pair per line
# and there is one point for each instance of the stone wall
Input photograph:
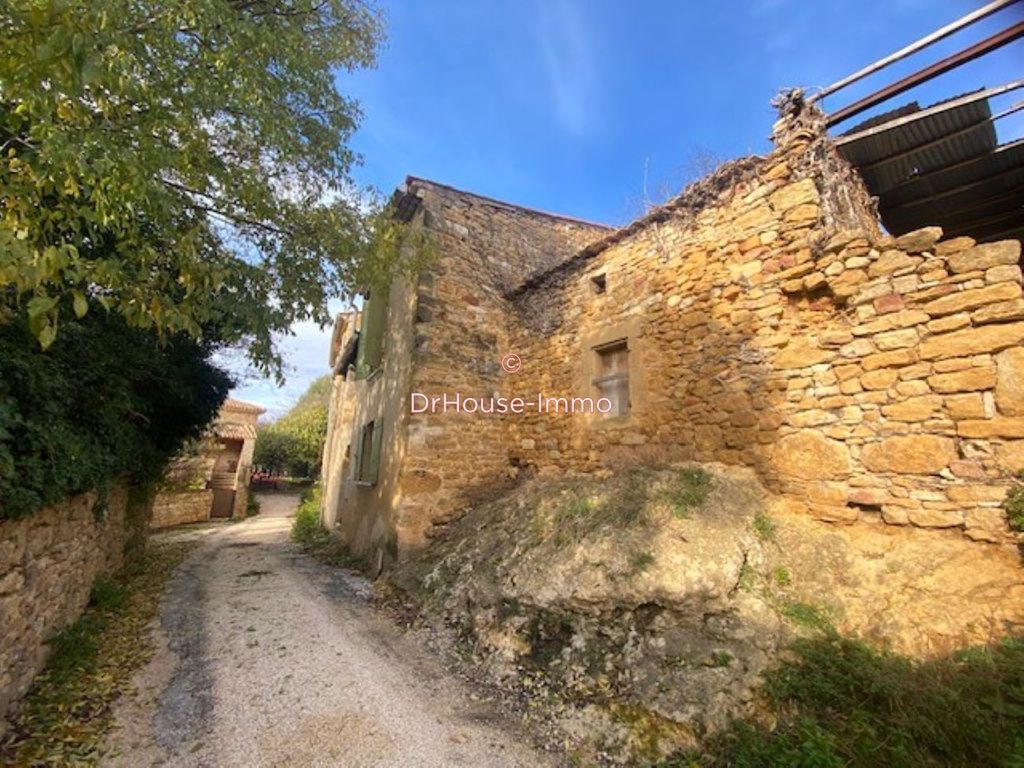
x,y
770,324
486,248
48,562
180,507
444,333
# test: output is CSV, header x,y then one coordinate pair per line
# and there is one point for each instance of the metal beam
x,y
924,42
934,110
970,53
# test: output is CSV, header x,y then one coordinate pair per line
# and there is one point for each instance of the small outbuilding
x,y
210,480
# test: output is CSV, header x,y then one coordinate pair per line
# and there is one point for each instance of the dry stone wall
x,y
861,375
179,507
48,562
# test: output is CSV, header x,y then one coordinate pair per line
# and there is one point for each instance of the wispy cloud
x,y
570,64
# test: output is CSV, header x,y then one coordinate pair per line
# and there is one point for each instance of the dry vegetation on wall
x,y
68,710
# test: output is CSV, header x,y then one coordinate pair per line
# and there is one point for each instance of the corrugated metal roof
x,y
943,169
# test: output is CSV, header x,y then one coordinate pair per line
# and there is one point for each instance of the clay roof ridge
x,y
241,406
411,180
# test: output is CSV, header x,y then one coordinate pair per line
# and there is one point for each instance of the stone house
x,y
761,318
212,481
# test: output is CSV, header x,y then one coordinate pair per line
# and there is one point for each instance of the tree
x,y
183,164
293,444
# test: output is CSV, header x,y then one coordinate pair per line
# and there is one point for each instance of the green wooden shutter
x,y
371,335
357,456
374,466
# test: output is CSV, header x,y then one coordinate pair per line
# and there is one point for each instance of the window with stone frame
x,y
612,379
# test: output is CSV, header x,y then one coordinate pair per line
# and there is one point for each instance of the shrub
x,y
844,703
1014,505
104,401
306,528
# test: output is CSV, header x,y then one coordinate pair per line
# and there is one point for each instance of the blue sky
x,y
591,107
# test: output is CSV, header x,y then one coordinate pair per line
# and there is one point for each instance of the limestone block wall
x,y
484,249
48,562
768,325
180,507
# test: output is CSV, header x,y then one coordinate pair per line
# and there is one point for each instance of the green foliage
x,y
292,445
764,526
107,594
1014,505
641,561
781,576
104,401
844,703
306,528
185,165
806,615
252,505
633,497
689,488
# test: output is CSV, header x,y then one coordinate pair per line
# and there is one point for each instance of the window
x,y
371,333
368,453
612,380
599,283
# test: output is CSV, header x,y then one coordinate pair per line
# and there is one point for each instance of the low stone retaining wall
x,y
48,563
179,507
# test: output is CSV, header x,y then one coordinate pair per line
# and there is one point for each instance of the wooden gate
x,y
223,481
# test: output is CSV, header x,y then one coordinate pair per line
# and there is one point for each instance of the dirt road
x,y
269,658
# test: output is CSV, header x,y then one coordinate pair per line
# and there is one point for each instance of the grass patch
x,y
252,505
687,489
641,561
628,501
807,615
843,703
315,540
764,526
67,711
781,576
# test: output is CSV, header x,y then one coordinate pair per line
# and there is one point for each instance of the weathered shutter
x,y
374,465
357,456
371,335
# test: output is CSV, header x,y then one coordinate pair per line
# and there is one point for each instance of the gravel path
x,y
266,657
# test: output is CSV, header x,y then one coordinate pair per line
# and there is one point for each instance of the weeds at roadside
x,y
68,710
315,540
252,505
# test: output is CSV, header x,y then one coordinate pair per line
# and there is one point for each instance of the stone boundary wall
x,y
48,563
864,377
180,507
